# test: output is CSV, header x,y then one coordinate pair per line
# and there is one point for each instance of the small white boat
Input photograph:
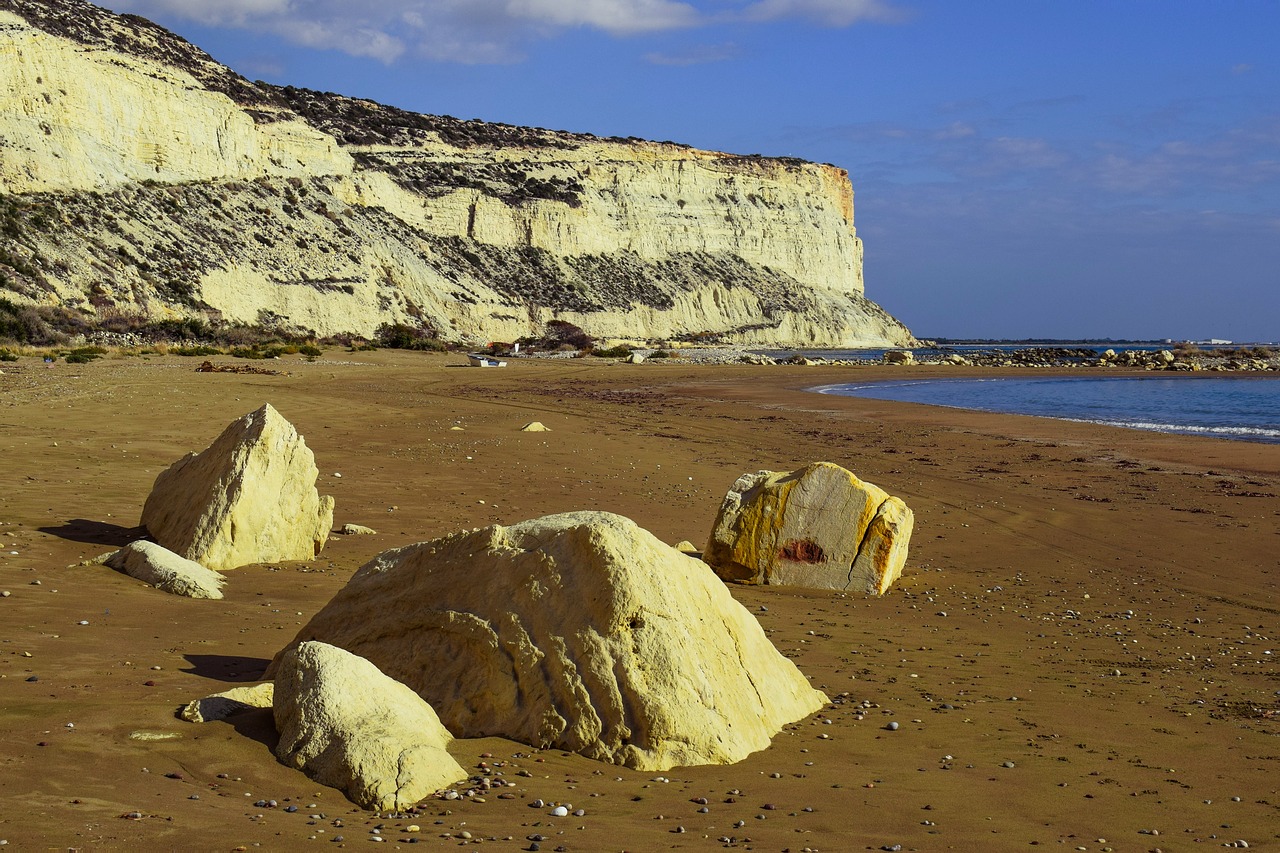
x,y
484,361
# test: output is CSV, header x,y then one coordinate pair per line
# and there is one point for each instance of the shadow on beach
x,y
96,532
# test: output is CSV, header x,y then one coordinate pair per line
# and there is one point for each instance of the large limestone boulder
x,y
580,631
250,497
166,571
817,527
346,725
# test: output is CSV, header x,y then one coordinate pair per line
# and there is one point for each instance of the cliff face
x,y
139,176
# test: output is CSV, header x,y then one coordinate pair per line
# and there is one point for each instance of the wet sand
x,y
1082,651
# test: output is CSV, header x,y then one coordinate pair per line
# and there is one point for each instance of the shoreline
x,y
1186,414
1034,540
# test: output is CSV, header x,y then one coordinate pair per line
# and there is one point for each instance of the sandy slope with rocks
x,y
1080,652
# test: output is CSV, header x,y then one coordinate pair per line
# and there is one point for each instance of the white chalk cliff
x,y
140,177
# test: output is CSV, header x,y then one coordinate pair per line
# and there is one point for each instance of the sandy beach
x,y
1080,654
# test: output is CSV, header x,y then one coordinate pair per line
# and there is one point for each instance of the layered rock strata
x,y
139,178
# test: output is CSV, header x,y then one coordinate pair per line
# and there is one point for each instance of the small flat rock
x,y
219,706
166,571
534,426
356,530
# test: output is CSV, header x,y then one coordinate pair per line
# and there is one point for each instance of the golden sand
x,y
1081,651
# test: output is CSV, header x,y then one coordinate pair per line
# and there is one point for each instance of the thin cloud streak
x,y
698,55
489,31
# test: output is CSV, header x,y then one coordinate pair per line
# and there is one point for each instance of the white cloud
x,y
829,13
336,35
698,55
617,17
234,13
487,31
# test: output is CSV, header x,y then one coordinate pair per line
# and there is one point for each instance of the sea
x,y
1237,407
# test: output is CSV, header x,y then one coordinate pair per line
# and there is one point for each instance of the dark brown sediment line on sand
x,y
1122,585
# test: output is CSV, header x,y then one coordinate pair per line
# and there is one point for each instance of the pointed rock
x,y
250,497
817,527
346,725
580,631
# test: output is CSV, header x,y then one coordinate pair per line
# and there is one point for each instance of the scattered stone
x,y
534,426
899,357
350,529
580,631
219,706
347,725
818,527
250,497
166,571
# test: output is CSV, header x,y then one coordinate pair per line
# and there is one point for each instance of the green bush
x,y
619,351
84,355
186,329
562,332
196,350
5,355
401,336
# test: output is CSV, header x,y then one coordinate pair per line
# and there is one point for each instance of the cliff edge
x,y
141,178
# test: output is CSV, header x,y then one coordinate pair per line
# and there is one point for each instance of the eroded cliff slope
x,y
139,176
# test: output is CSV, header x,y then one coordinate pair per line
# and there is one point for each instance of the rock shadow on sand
x,y
256,724
227,668
96,532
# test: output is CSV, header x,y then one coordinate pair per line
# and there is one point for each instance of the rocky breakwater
x,y
1178,359
181,189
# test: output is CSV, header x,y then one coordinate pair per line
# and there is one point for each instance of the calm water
x,y
1240,408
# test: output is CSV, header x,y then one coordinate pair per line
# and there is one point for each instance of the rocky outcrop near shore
x,y
819,527
250,497
141,180
578,631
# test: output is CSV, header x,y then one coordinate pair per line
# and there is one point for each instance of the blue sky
x,y
1021,168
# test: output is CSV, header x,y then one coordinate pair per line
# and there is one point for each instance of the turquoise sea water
x,y
1243,408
